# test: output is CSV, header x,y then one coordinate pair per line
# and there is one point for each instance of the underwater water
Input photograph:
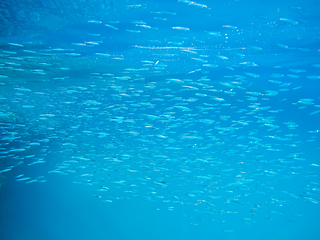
x,y
159,120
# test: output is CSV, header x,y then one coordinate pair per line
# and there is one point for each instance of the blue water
x,y
159,120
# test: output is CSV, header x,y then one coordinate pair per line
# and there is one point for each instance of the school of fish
x,y
196,113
